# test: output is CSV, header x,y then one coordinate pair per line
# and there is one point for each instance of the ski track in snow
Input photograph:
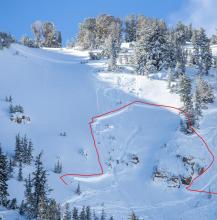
x,y
128,141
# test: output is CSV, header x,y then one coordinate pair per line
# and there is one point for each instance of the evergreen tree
x,y
42,209
197,100
181,33
94,32
18,149
206,53
53,210
88,213
10,168
113,53
37,30
140,60
39,182
157,48
67,214
205,91
78,190
87,34
171,53
58,167
57,41
51,36
130,28
202,54
185,89
29,152
22,208
5,40
3,179
29,205
26,41
10,98
95,217
75,214
189,33
82,214
13,204
23,150
103,215
153,50
178,42
107,25
181,62
24,147
186,98
133,216
20,172
170,78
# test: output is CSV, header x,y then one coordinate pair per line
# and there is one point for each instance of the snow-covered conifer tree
x,y
37,30
3,179
82,214
133,216
67,213
18,149
78,190
130,28
48,31
205,90
20,172
10,168
58,167
29,204
53,210
103,215
29,155
112,47
88,213
186,98
40,187
75,214
202,54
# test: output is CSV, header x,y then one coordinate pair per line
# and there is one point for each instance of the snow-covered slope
x,y
60,94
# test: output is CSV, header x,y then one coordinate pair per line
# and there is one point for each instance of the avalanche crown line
x,y
189,187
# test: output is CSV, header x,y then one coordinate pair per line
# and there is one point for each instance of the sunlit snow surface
x,y
60,94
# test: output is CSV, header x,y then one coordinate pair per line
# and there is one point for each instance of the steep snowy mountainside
x,y
59,93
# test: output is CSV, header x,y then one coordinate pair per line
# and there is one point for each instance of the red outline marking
x,y
151,104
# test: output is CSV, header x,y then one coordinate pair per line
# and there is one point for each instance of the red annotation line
x,y
155,105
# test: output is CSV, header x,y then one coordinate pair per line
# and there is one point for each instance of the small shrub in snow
x,y
84,61
186,180
95,56
8,98
133,158
17,114
63,134
83,153
16,108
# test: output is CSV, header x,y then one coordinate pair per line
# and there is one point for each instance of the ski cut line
x,y
155,105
